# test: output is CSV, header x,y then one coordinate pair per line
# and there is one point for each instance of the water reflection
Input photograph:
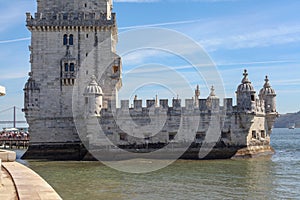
x,y
261,178
182,180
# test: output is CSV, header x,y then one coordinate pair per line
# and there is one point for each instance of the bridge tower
x,y
63,35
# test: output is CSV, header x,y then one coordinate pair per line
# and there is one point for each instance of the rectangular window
x,y
72,67
65,40
71,39
66,67
254,134
263,135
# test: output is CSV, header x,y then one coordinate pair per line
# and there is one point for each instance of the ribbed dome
x,y
31,85
267,89
93,87
246,85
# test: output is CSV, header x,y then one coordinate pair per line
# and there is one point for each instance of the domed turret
x,y
30,84
93,88
31,94
246,95
267,94
212,100
246,85
93,98
267,89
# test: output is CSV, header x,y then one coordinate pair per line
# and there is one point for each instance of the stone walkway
x,y
29,185
7,189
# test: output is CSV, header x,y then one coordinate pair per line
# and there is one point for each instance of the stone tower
x,y
246,95
64,33
268,95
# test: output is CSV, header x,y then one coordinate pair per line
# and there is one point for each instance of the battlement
x,y
70,19
50,6
190,104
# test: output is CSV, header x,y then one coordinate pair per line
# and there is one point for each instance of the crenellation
x,y
150,103
137,104
164,103
228,104
70,21
202,105
124,104
176,103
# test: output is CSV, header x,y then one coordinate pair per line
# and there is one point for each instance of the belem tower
x,y
66,36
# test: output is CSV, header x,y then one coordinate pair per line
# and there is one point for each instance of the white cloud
x,y
14,75
260,38
14,40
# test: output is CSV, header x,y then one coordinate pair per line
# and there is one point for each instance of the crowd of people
x,y
17,135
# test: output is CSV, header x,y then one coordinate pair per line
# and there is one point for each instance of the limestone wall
x,y
128,126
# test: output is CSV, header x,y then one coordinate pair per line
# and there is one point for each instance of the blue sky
x,y
262,36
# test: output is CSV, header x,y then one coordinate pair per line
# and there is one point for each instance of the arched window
x,y
72,67
65,42
71,40
66,67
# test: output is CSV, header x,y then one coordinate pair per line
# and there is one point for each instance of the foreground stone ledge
x,y
29,185
7,156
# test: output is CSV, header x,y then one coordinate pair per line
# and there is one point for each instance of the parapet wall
x,y
190,104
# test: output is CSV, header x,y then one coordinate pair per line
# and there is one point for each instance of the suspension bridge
x,y
14,120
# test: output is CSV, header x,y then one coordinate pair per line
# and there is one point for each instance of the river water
x,y
277,177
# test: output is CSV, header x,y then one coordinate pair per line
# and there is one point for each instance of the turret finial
x,y
197,92
212,91
267,84
93,81
93,78
156,101
245,79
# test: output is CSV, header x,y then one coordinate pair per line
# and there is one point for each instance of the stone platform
x,y
19,182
